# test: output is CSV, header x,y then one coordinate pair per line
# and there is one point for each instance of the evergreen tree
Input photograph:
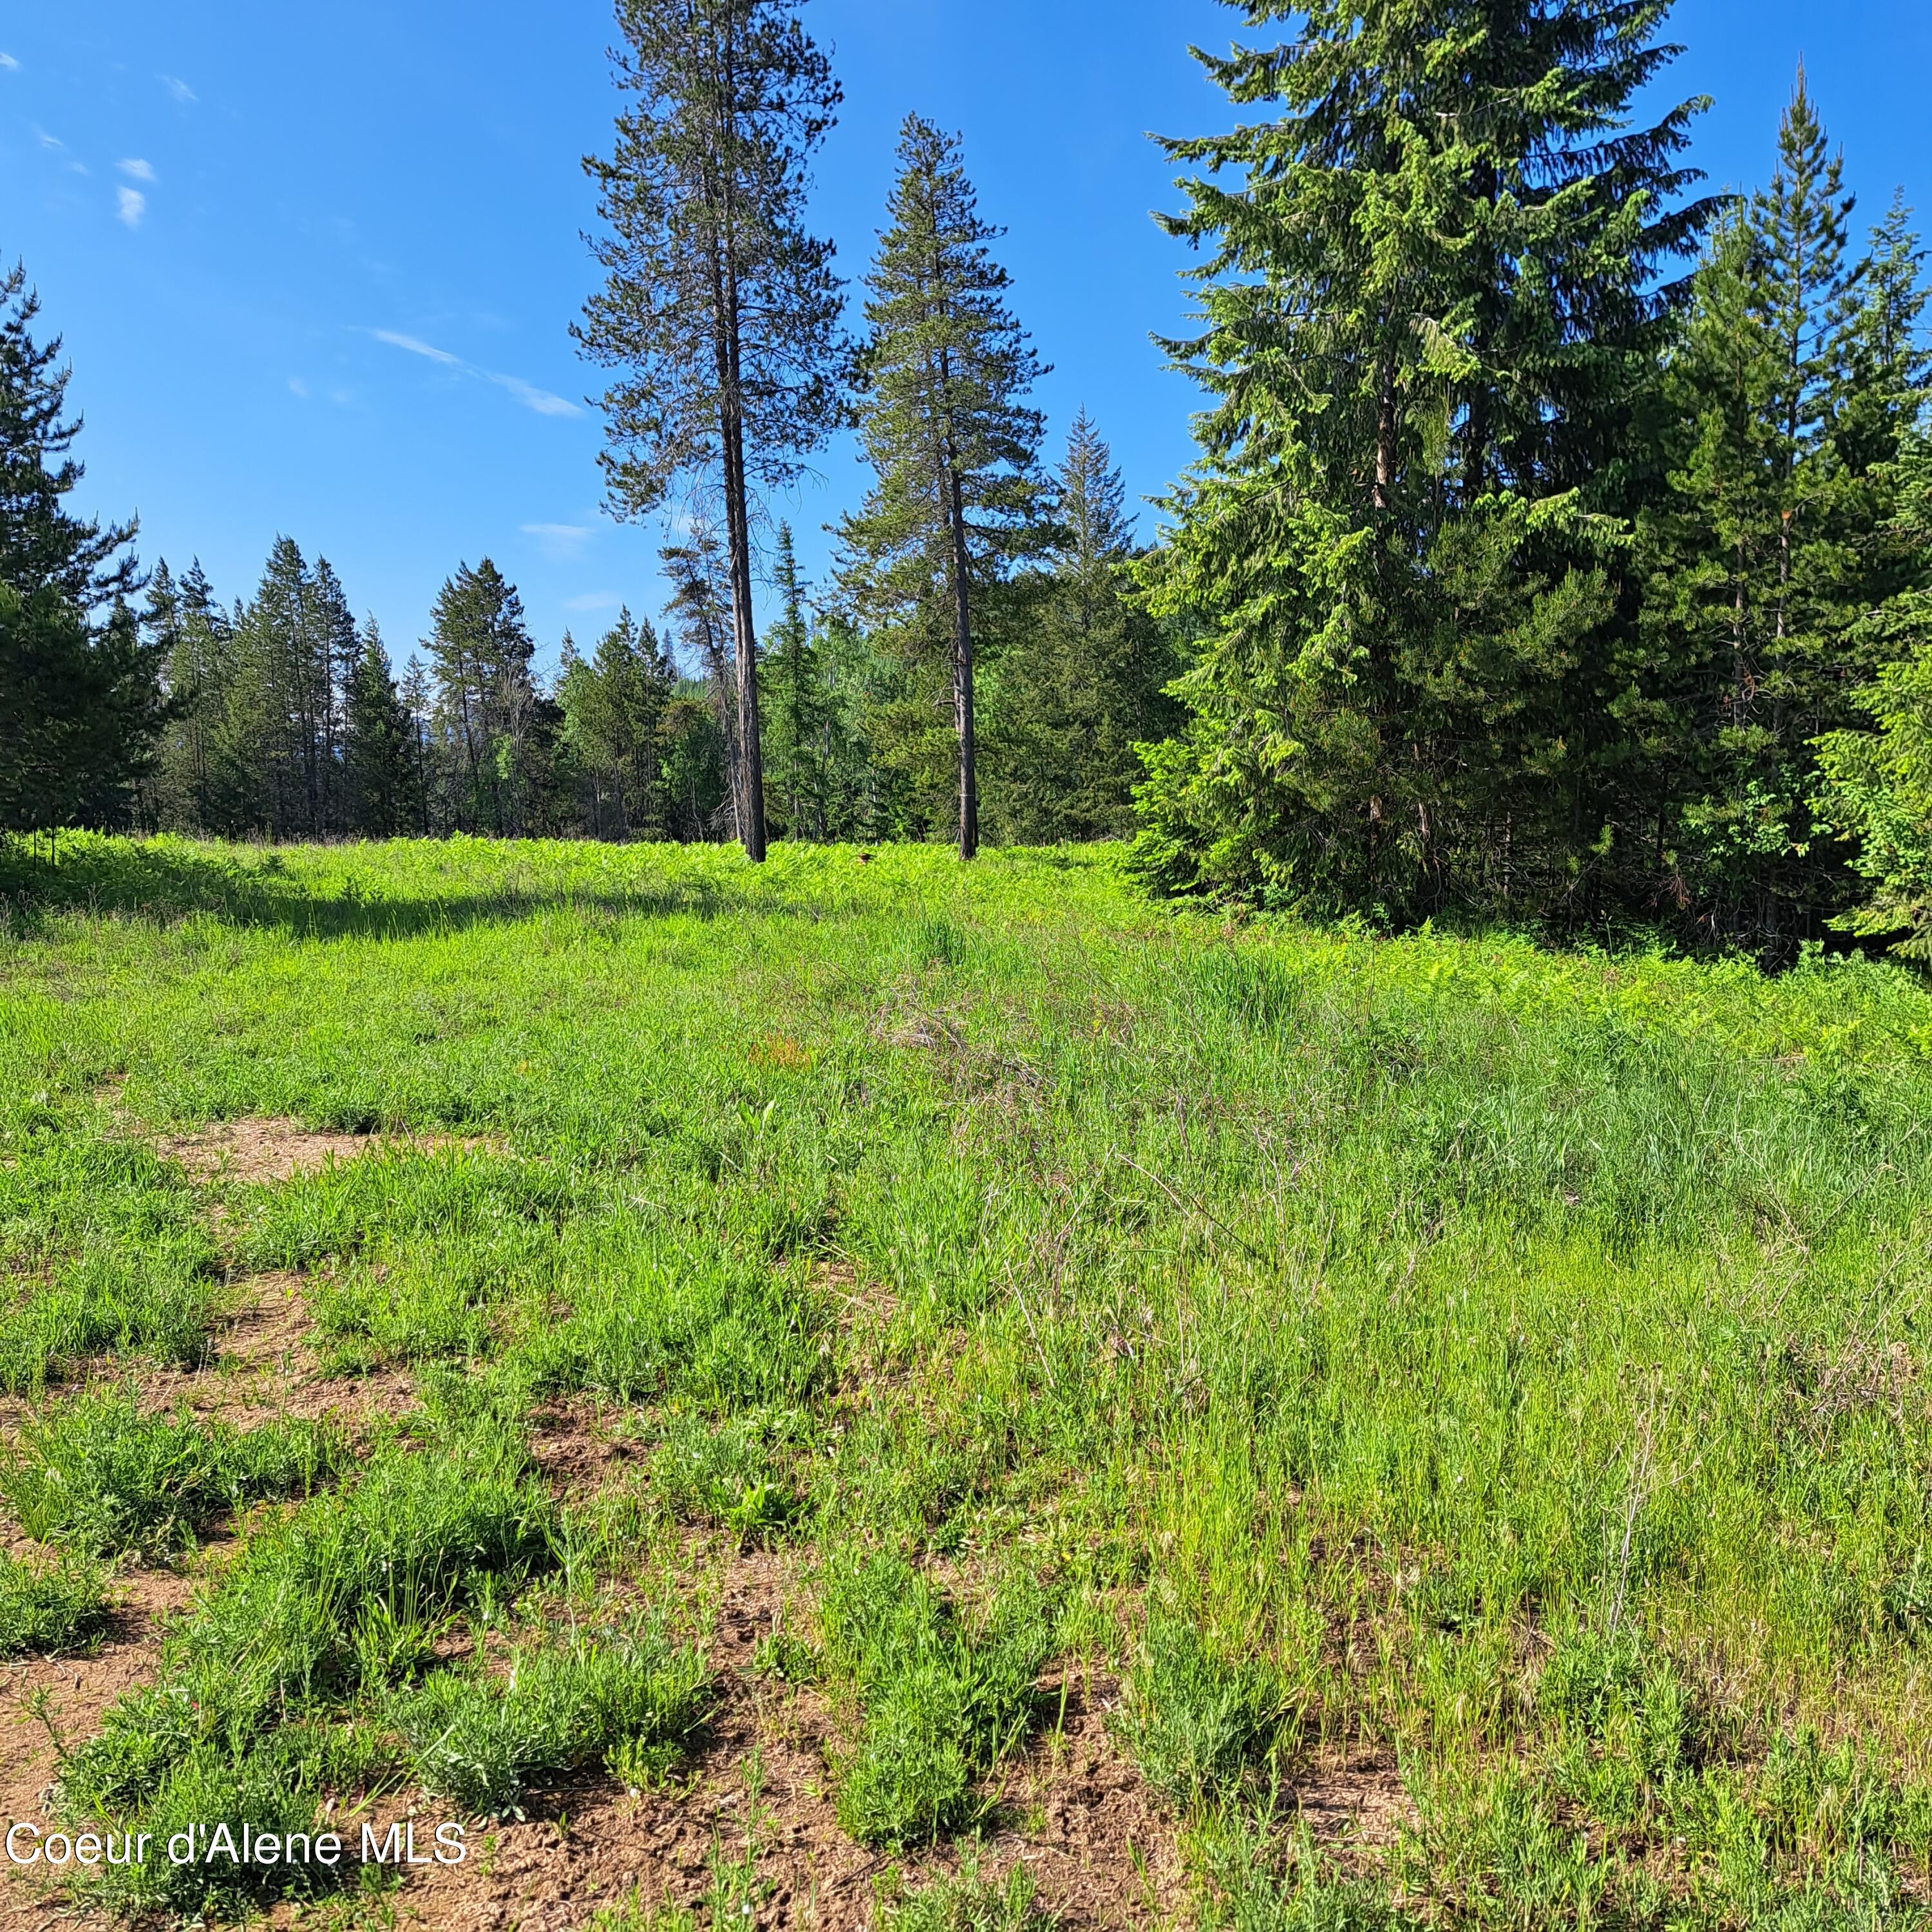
x,y
377,748
480,651
798,765
1777,538
1431,317
614,707
701,624
1085,682
718,308
80,701
958,497
420,787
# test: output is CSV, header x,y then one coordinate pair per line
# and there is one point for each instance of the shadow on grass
x,y
166,881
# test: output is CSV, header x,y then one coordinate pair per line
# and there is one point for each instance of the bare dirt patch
x,y
265,1148
77,1690
1353,1808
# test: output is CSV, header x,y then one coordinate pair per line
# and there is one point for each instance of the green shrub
x,y
730,1473
1192,1720
44,1611
97,1473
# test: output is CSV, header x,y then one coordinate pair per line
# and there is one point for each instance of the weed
x,y
1193,1720
969,1902
47,1609
96,1472
945,1699
629,1696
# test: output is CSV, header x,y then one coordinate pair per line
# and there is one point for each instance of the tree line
x,y
1559,545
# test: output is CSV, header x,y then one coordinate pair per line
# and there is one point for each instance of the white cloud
x,y
180,89
131,204
593,600
560,541
417,346
9,64
542,400
528,394
136,170
48,140
297,387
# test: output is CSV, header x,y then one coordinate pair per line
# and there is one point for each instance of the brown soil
x,y
78,1689
261,1148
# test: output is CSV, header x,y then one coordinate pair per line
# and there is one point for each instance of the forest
x,y
1558,549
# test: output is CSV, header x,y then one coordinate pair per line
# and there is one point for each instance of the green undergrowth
x,y
97,1473
947,1694
48,1608
1501,1366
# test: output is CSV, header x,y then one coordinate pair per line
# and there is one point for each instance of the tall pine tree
x,y
798,764
959,497
719,310
80,701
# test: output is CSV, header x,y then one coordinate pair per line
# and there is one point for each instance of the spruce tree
x,y
1085,682
377,746
614,707
719,310
799,722
1776,538
480,650
959,498
1430,312
80,700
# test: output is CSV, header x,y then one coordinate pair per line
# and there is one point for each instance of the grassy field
x,y
871,1392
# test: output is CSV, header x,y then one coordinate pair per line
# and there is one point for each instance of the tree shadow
x,y
165,882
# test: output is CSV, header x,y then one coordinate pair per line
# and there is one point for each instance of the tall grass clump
x,y
625,1698
47,1609
945,1696
98,1473
346,1595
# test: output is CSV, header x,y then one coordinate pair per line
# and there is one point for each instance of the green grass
x,y
1507,1365
97,1473
48,1609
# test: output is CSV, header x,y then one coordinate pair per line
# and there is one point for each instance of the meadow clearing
x,y
871,1392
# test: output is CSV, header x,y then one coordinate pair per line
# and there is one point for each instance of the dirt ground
x,y
1100,1848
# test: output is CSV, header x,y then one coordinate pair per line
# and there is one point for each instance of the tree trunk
x,y
962,672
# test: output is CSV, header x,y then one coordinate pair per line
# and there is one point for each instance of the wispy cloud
x,y
136,170
593,600
528,394
47,140
8,65
297,387
532,398
560,541
180,89
417,346
131,204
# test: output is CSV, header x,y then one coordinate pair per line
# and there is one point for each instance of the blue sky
x,y
315,264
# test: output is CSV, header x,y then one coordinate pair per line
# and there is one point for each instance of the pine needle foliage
x,y
720,312
959,497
